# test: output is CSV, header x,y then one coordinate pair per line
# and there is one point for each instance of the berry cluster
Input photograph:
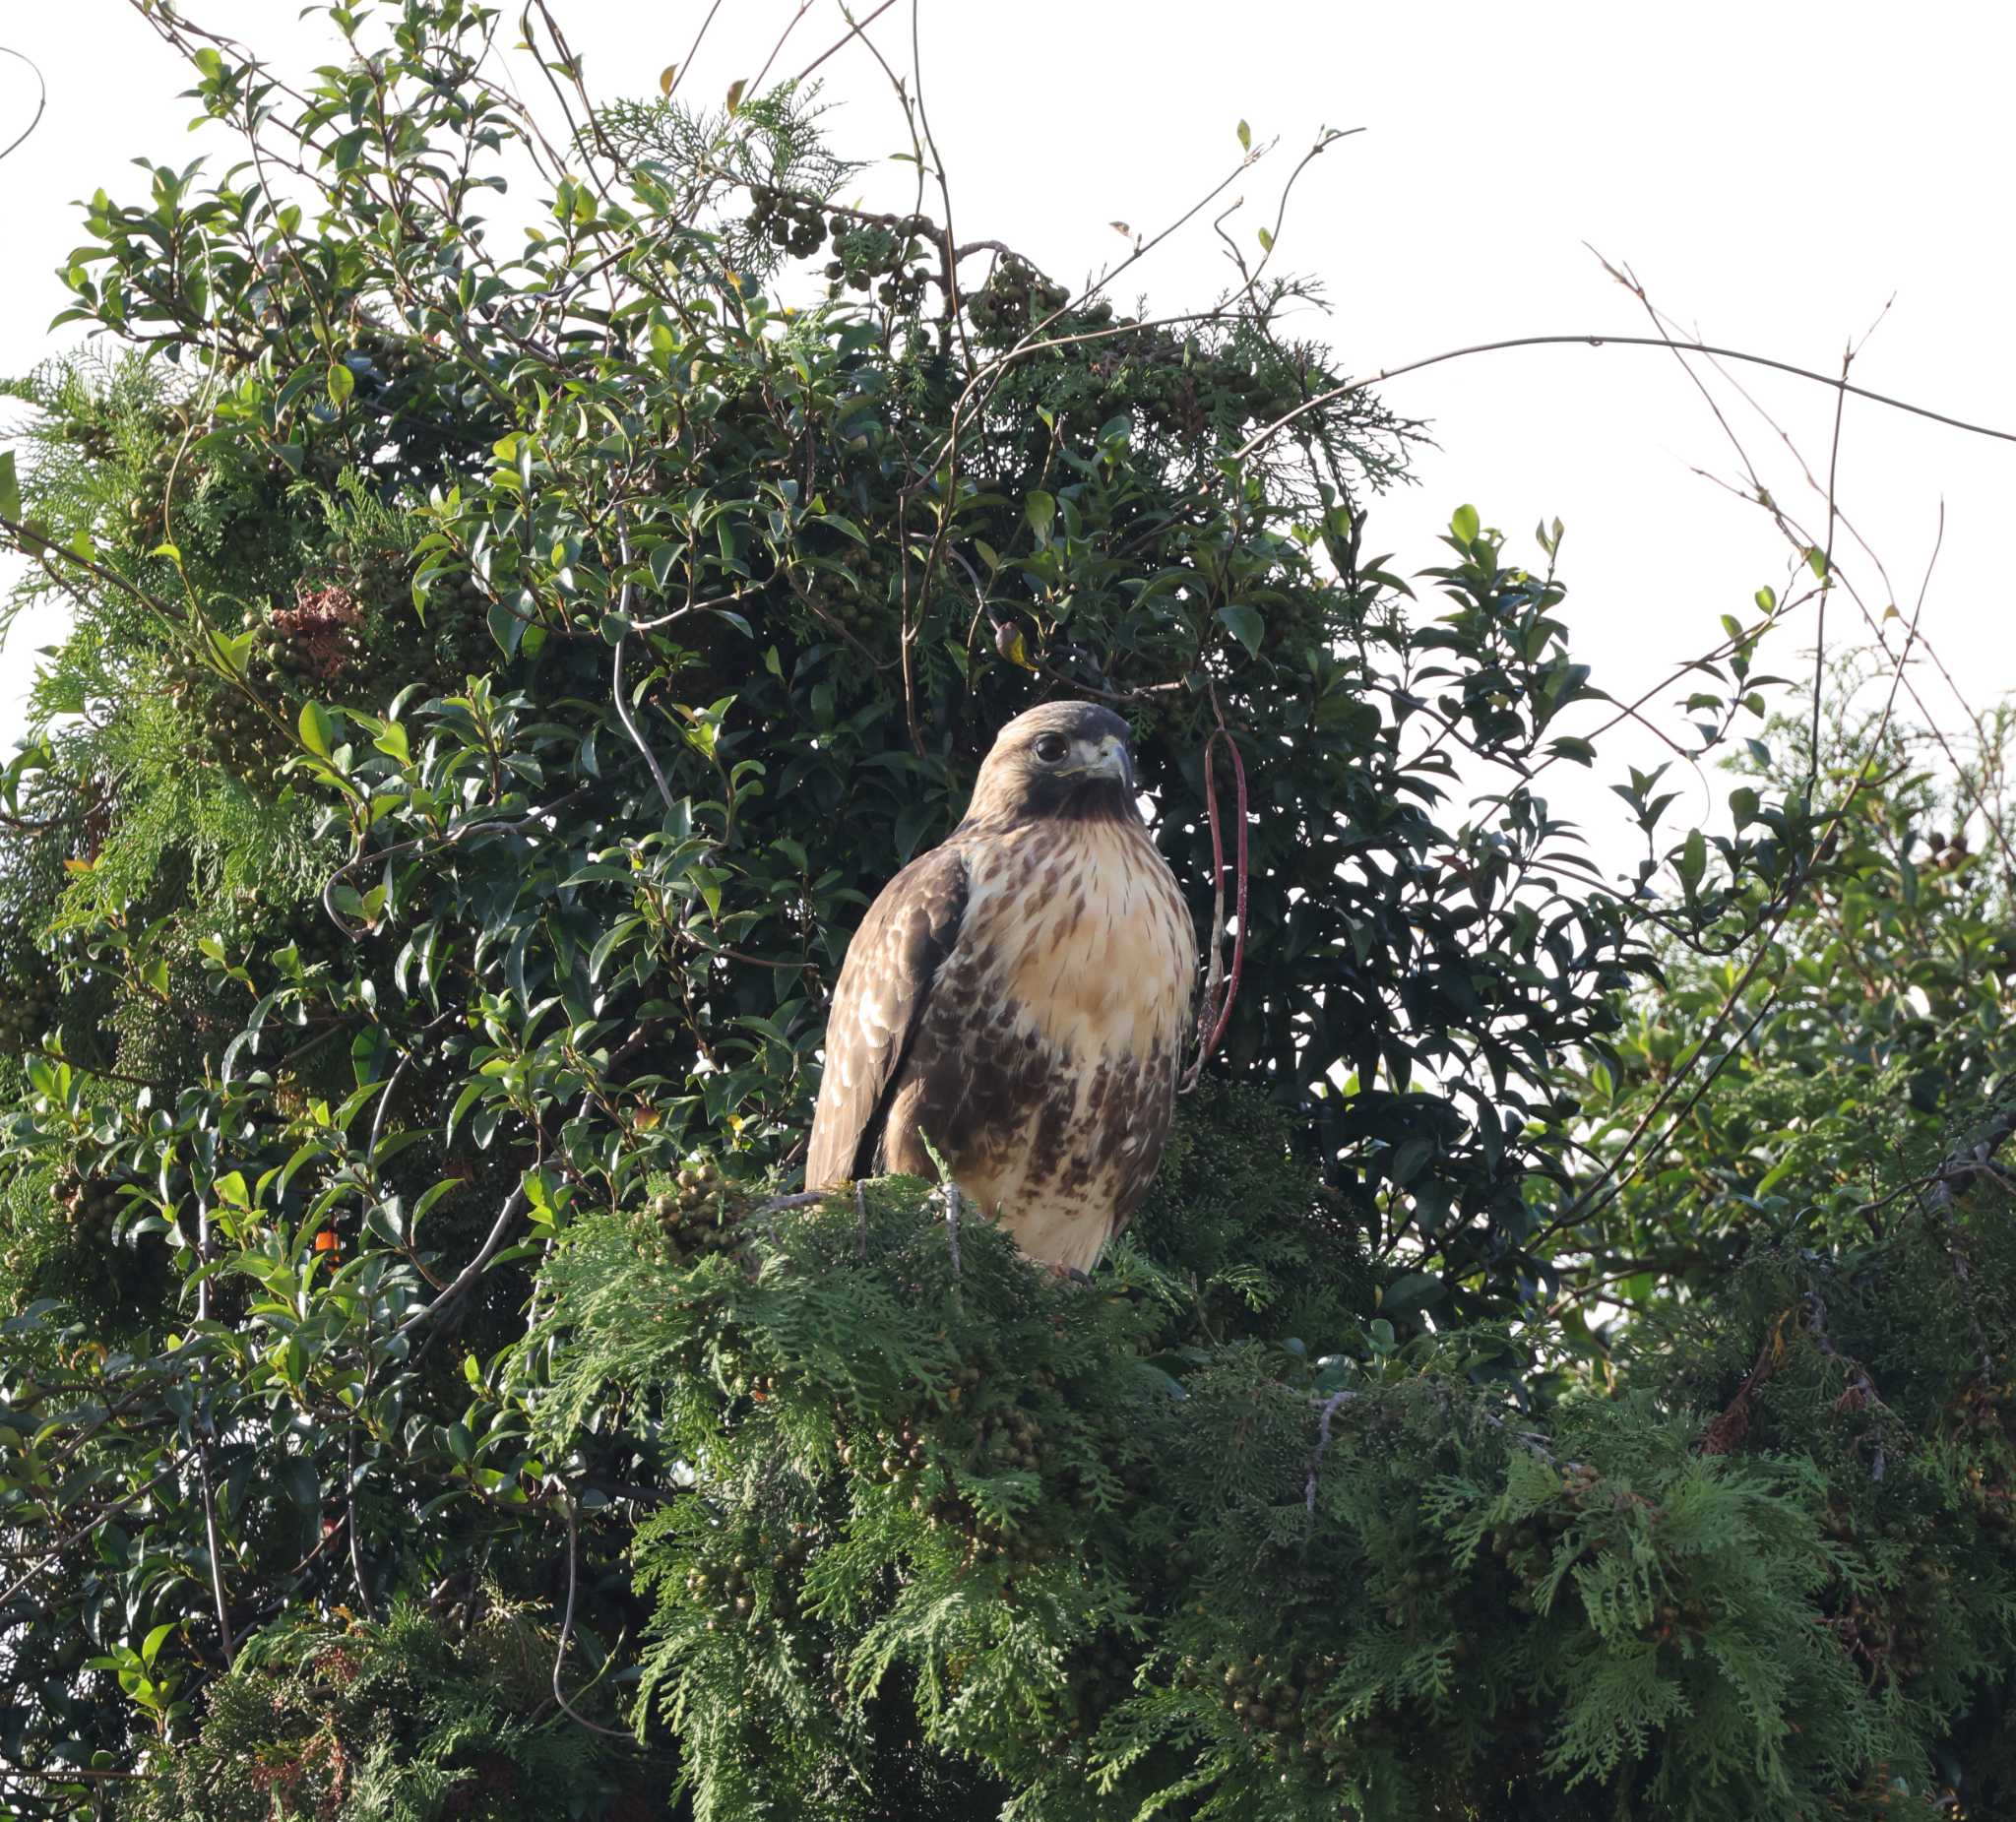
x,y
95,1206
1098,1674
1015,297
794,224
314,642
888,259
724,1581
699,1216
28,1001
1275,1702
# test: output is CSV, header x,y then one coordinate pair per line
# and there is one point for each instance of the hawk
x,y
1020,997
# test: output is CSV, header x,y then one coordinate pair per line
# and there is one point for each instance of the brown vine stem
x,y
567,1629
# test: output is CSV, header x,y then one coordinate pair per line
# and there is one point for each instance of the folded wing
x,y
885,984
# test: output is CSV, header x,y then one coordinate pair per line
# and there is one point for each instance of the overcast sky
x,y
1775,176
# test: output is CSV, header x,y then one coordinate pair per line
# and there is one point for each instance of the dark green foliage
x,y
497,681
1032,1531
404,1722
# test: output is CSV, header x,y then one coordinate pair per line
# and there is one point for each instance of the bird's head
x,y
1065,759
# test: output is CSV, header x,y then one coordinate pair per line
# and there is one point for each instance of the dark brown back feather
x,y
884,987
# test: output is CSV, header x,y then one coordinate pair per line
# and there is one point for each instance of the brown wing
x,y
884,986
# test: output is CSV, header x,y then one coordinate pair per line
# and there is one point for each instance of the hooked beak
x,y
1111,762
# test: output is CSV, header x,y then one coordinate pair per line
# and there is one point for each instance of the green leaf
x,y
1414,1290
1464,523
1409,1159
605,944
1041,509
319,729
447,1187
1245,625
1245,137
10,489
507,628
342,381
845,525
1693,860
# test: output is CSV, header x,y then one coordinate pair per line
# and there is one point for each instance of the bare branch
x,y
1349,386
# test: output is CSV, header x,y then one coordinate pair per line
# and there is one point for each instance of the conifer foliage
x,y
532,575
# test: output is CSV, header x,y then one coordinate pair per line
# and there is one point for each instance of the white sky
x,y
1774,173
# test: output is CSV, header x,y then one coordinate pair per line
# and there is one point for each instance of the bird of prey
x,y
1020,997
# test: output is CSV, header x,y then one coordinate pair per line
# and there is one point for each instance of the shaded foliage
x,y
377,1722
497,680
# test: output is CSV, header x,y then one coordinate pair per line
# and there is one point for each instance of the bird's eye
x,y
1051,748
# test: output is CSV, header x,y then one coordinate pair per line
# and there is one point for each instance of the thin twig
x,y
1330,1409
1582,1209
1221,988
492,1241
1826,578
854,27
1344,391
635,732
50,1552
42,100
211,1546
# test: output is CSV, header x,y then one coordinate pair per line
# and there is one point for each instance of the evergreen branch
x,y
31,543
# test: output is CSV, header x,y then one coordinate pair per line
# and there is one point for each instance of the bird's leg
x,y
861,1222
952,1202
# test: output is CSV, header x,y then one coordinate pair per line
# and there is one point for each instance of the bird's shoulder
x,y
927,895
